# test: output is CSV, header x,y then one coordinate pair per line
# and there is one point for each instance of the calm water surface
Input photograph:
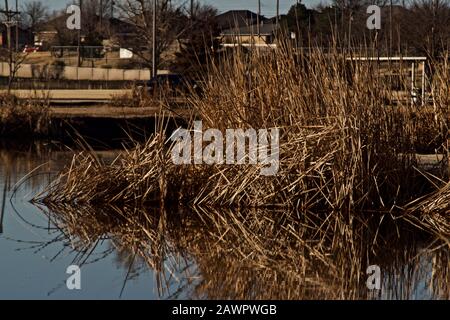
x,y
30,268
35,255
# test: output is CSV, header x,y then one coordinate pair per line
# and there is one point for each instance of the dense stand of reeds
x,y
348,181
346,144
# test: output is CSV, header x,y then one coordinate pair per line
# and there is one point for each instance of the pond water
x,y
31,269
36,251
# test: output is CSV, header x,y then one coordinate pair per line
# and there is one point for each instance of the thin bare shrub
x,y
20,117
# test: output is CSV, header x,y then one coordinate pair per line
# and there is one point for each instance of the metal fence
x,y
36,84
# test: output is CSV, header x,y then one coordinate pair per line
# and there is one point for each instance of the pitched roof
x,y
237,18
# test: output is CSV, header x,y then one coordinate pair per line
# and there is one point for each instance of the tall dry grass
x,y
348,177
346,144
349,185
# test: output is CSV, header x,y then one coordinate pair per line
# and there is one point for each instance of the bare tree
x,y
100,8
199,38
63,36
33,13
15,61
96,14
171,23
427,27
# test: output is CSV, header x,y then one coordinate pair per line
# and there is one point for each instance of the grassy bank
x,y
23,118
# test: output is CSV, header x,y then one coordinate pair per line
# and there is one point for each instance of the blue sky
x,y
268,7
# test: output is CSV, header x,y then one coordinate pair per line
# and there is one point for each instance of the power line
x,y
257,19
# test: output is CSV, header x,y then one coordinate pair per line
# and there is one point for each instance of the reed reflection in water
x,y
260,254
208,253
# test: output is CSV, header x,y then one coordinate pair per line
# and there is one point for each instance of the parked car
x,y
31,49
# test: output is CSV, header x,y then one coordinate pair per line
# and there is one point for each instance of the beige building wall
x,y
263,39
74,73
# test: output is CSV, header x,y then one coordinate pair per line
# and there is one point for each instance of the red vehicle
x,y
30,49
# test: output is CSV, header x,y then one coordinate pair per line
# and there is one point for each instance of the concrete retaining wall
x,y
74,73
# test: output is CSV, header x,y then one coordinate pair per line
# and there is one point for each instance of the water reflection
x,y
202,253
193,254
34,258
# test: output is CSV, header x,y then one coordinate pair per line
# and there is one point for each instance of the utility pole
x,y
258,27
191,15
79,33
8,23
335,21
390,28
101,15
154,66
277,19
17,27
